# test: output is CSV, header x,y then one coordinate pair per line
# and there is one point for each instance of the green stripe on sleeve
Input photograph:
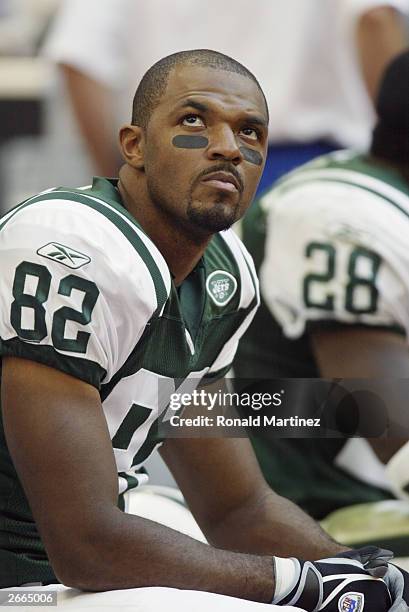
x,y
304,180
84,369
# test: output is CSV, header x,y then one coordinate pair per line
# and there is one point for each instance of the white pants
x,y
152,599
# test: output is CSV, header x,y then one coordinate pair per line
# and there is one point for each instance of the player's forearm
x,y
92,103
380,36
271,524
128,551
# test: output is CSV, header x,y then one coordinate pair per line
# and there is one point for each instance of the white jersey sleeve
x,y
75,293
337,252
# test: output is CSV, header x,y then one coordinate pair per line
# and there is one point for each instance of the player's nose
x,y
223,145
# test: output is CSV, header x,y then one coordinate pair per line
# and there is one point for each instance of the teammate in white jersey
x,y
336,265
335,289
113,296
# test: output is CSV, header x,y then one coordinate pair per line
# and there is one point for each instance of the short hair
x,y
154,82
390,138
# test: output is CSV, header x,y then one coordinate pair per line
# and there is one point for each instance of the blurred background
x,y
37,141
68,70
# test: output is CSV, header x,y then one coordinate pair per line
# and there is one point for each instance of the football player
x,y
113,297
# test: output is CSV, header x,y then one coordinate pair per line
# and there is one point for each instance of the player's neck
x,y
179,249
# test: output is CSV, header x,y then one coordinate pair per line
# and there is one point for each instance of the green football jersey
x,y
330,242
83,289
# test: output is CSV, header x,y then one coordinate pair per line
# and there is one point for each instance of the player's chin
x,y
214,216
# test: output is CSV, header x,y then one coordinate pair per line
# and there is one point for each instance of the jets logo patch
x,y
65,255
351,602
221,286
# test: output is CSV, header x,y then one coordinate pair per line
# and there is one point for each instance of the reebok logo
x,y
65,255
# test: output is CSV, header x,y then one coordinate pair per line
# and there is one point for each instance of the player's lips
x,y
222,180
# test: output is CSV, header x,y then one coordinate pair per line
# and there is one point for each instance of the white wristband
x,y
287,575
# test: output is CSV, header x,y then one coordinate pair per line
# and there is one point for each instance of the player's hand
x,y
347,582
375,560
397,581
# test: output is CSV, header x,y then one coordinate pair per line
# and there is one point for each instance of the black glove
x,y
397,581
375,560
350,582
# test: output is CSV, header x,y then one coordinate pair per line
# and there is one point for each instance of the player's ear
x,y
131,142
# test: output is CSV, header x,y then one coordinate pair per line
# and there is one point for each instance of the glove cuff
x,y
287,574
297,584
